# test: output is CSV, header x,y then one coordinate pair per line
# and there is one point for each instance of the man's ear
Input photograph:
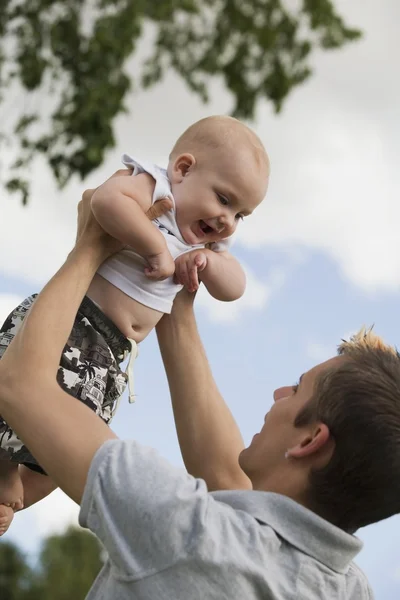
x,y
315,440
181,167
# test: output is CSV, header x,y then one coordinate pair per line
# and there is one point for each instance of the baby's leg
x,y
11,493
36,486
12,450
11,488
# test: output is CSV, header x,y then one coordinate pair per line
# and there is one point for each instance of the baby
x,y
217,175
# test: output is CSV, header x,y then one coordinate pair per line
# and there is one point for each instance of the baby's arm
x,y
120,206
220,272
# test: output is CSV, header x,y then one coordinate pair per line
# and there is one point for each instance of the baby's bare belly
x,y
133,319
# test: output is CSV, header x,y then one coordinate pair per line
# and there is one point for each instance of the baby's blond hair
x,y
212,133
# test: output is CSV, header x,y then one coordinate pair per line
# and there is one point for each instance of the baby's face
x,y
213,196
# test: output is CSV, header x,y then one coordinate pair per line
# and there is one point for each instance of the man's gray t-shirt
x,y
168,538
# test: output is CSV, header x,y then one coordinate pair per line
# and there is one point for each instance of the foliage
x,y
75,52
15,574
67,566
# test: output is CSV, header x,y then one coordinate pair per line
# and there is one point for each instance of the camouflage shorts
x,y
89,369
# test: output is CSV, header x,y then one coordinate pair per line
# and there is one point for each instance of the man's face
x,y
213,197
267,449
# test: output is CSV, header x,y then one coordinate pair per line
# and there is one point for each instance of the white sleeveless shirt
x,y
125,269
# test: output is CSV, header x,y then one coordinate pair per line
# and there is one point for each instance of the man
x,y
325,462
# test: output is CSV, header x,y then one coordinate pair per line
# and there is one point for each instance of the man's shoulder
x,y
244,538
359,583
301,545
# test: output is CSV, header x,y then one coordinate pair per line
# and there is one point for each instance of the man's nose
x,y
282,392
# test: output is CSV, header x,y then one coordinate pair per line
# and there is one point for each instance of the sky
x,y
322,254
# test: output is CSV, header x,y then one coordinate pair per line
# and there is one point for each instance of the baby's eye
x,y
239,217
224,201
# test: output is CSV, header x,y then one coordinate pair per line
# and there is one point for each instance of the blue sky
x,y
322,255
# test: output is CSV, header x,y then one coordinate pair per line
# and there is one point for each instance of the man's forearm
x,y
61,433
223,276
209,437
51,319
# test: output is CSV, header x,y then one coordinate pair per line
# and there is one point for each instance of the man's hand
x,y
187,269
90,233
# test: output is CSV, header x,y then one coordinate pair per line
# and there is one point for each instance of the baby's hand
x,y
187,268
161,266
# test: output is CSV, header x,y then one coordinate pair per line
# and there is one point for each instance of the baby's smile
x,y
205,227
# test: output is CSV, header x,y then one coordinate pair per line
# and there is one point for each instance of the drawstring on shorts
x,y
134,351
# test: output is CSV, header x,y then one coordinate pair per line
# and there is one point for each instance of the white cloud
x,y
341,198
7,303
35,240
334,186
54,513
255,297
321,351
318,352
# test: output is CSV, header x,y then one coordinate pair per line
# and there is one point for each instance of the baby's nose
x,y
227,221
220,225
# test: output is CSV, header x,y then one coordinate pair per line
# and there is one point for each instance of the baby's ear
x,y
182,166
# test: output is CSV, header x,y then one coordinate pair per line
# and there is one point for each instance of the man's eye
x,y
295,387
224,201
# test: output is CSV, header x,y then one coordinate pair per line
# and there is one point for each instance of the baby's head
x,y
219,172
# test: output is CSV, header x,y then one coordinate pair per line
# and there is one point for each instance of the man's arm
x,y
209,437
62,434
220,272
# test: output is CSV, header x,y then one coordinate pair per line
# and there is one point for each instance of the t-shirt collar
x,y
297,525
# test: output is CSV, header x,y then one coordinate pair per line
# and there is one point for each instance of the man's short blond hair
x,y
365,339
215,132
